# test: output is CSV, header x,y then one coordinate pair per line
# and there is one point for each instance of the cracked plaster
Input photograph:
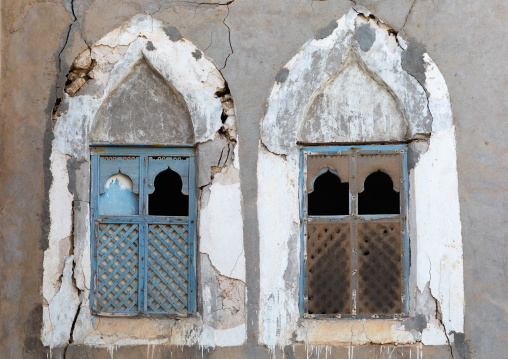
x,y
436,277
332,55
108,63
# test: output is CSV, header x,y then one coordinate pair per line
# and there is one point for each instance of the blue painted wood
x,y
112,165
367,217
124,243
157,164
142,219
303,267
117,267
118,199
94,198
405,243
192,220
167,275
143,210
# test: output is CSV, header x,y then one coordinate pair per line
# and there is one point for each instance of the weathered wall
x,y
250,41
351,83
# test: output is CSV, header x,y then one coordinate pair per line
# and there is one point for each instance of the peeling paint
x,y
185,69
436,279
320,61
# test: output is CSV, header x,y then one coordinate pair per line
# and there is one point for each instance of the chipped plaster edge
x,y
330,54
199,81
278,211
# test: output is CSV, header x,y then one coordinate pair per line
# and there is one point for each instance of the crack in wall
x,y
408,14
226,4
236,262
439,317
71,337
56,106
229,35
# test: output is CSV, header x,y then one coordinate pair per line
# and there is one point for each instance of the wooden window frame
x,y
143,221
306,151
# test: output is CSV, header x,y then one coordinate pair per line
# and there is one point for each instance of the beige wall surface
x,y
249,41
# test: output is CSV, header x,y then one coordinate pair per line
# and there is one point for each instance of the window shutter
x,y
356,265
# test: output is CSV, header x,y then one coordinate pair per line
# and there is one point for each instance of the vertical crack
x,y
71,337
408,14
229,35
59,81
439,317
236,262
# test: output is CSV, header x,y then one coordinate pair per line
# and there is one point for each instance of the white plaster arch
x,y
435,228
331,55
220,255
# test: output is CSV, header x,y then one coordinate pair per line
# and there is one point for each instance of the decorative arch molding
x,y
312,102
144,51
359,61
176,60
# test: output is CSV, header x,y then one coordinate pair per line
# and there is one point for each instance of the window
x,y
143,218
355,258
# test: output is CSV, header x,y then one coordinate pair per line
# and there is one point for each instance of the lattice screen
x,y
379,268
355,265
143,264
168,272
329,268
117,260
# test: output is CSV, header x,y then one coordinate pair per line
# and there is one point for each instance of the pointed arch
x,y
145,48
422,106
143,108
316,78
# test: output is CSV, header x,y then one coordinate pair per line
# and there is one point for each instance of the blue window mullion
x,y
94,199
143,222
404,215
303,228
192,224
144,230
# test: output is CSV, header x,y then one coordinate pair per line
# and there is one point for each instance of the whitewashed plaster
x,y
188,70
221,225
435,229
336,56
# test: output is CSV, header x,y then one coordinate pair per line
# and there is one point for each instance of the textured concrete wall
x,y
250,41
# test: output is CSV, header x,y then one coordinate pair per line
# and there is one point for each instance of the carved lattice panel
x,y
118,264
379,267
328,268
168,272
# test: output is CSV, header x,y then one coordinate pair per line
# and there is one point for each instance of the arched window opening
x,y
330,196
118,198
378,196
168,199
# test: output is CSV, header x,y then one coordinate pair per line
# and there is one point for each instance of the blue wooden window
x,y
355,244
143,220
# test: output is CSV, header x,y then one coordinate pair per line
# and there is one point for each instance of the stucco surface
x,y
250,41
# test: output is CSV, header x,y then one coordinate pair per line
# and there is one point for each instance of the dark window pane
x,y
378,196
330,196
168,199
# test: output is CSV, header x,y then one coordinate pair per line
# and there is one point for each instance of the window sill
x,y
355,331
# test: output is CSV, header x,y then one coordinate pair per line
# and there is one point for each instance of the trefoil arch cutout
x,y
144,84
353,87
